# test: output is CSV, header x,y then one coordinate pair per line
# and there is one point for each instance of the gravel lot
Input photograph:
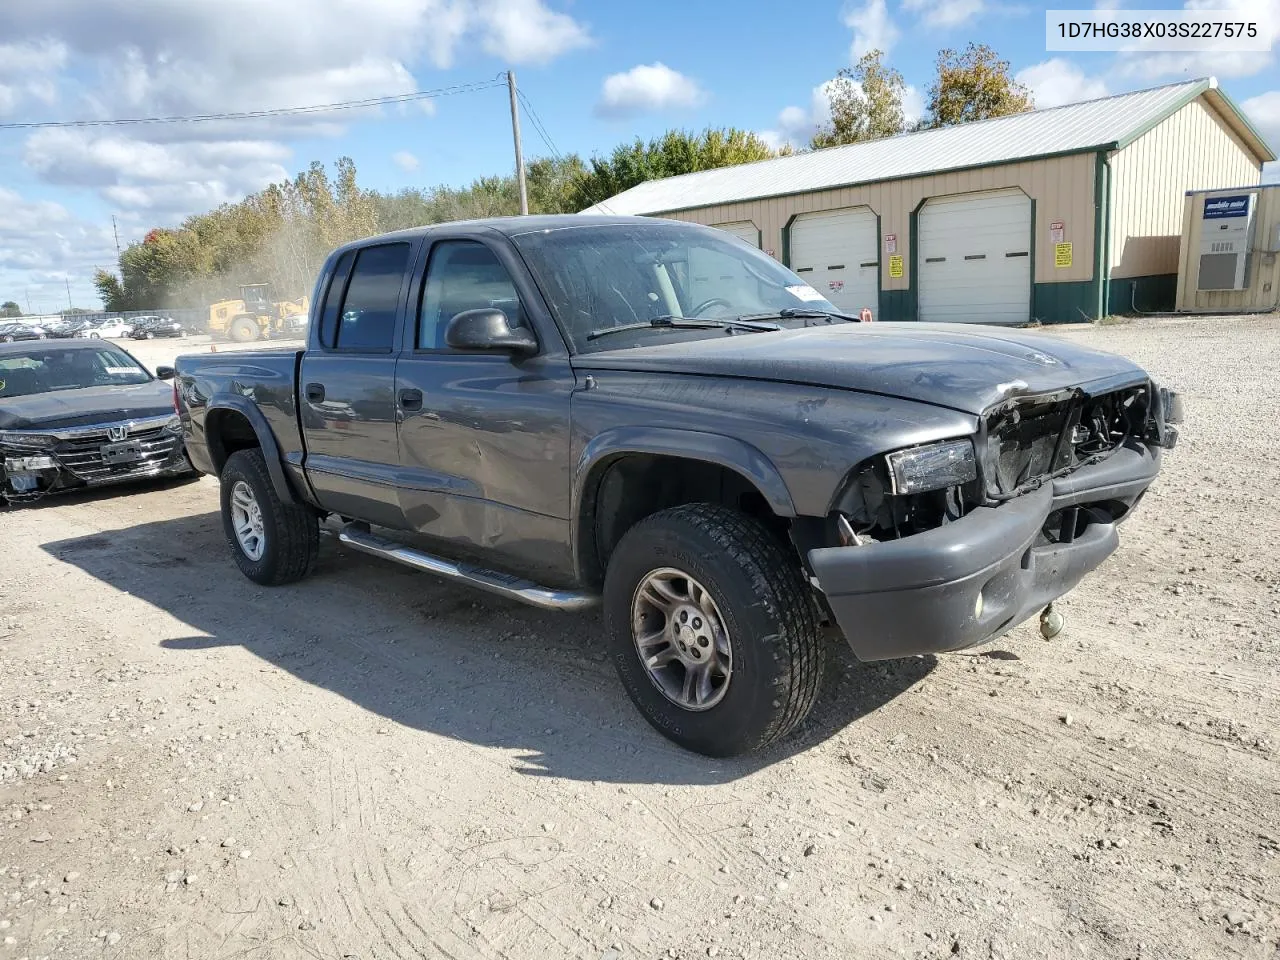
x,y
374,764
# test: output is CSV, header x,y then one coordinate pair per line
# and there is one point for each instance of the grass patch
x,y
1112,320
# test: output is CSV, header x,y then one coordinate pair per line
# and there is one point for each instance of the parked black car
x,y
659,418
148,328
16,331
83,413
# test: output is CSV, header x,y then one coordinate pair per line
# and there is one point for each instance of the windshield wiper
x,y
801,313
670,322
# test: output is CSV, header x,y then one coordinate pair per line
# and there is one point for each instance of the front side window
x,y
47,370
604,276
368,317
463,275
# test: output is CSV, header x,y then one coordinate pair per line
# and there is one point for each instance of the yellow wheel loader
x,y
255,316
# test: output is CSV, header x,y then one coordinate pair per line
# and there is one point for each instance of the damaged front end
x,y
36,462
945,545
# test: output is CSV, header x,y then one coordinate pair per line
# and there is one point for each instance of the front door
x,y
484,437
347,386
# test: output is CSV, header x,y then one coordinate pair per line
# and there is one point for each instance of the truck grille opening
x,y
1029,441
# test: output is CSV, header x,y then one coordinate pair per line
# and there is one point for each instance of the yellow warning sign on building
x,y
895,266
1062,254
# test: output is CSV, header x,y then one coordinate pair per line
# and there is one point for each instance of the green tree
x,y
10,308
111,290
973,85
866,104
672,154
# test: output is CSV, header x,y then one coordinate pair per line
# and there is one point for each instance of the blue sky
x,y
596,73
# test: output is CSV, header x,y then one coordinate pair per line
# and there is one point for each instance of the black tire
x,y
291,531
768,611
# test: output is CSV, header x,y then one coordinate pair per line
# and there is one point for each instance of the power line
x,y
276,112
545,137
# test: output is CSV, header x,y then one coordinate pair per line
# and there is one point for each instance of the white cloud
x,y
872,27
1264,112
646,89
405,160
42,247
913,105
941,14
525,31
797,125
28,71
130,58
1057,81
1220,63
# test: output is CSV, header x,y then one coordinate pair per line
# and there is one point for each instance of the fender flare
x,y
728,452
266,439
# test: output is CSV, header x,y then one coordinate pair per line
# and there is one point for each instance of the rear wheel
x,y
272,542
712,629
243,330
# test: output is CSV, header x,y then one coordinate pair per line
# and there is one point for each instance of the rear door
x,y
347,385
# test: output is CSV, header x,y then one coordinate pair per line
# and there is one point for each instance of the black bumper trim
x,y
920,594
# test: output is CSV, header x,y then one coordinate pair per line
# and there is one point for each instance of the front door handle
x,y
315,393
410,399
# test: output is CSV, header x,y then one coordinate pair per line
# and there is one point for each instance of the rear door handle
x,y
410,399
315,393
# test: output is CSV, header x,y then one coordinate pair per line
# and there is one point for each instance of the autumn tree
x,y
865,103
973,85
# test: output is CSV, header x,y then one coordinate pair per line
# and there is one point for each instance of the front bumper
x,y
75,459
921,594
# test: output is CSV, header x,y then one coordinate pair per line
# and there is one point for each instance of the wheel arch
x,y
628,473
234,423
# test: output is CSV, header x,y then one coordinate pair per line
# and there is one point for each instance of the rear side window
x,y
368,317
333,298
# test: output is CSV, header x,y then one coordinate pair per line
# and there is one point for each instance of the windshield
x,y
603,276
47,369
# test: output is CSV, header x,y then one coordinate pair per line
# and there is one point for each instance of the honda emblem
x,y
116,434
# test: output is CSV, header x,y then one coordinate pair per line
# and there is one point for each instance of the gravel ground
x,y
374,764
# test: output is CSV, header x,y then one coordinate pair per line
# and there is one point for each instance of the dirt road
x,y
374,764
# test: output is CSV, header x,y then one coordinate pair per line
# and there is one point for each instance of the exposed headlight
x,y
27,439
932,467
174,425
25,464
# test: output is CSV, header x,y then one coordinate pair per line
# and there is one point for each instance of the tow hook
x,y
1051,622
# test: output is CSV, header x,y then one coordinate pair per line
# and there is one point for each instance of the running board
x,y
504,585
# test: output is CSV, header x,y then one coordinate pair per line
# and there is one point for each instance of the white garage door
x,y
743,230
974,258
836,252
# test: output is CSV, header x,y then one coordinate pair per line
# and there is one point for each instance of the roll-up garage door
x,y
743,230
974,258
837,253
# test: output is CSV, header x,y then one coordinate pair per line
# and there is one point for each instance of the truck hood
x,y
966,368
75,408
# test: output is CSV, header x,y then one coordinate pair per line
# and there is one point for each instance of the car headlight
x,y
174,425
27,439
932,467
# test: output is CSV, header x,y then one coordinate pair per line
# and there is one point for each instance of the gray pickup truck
x,y
656,417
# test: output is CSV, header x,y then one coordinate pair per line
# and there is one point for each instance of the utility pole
x,y
67,280
515,132
116,231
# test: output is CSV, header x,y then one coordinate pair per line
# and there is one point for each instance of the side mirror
x,y
488,329
165,373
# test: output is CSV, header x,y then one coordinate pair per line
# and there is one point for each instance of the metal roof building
x,y
1056,215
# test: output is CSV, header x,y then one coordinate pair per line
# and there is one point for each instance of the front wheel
x,y
95,336
272,542
712,629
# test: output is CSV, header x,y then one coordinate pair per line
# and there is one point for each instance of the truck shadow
x,y
441,658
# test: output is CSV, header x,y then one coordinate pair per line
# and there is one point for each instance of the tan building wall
x,y
1191,150
1264,270
1061,186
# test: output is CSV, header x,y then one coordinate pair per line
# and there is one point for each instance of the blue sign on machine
x,y
1217,208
